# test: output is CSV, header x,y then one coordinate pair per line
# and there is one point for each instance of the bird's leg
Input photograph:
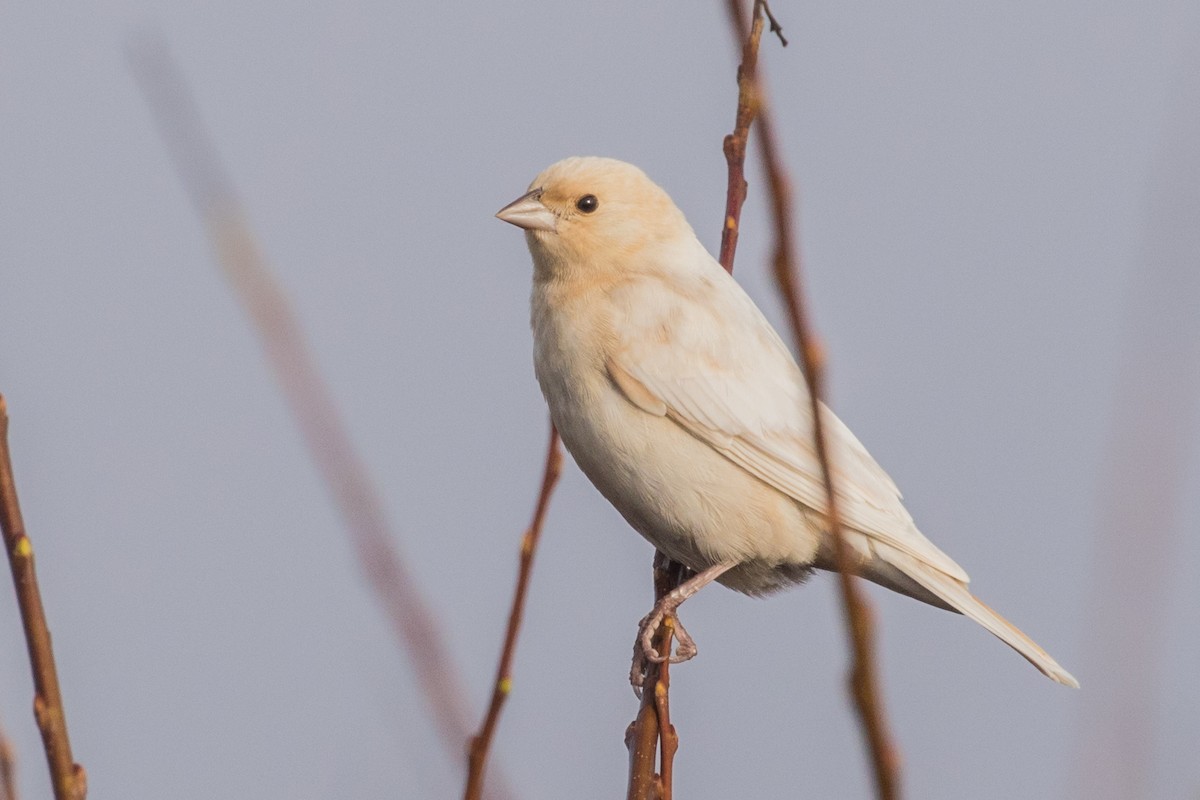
x,y
643,646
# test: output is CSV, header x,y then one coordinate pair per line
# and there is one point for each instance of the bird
x,y
683,406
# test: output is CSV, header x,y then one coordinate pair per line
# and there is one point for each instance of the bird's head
x,y
592,214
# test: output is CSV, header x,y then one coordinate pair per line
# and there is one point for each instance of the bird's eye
x,y
587,204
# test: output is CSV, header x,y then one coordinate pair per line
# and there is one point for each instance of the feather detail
x,y
956,594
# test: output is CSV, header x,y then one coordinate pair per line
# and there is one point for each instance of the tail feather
x,y
956,594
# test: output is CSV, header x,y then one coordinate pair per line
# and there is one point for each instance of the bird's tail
x,y
955,594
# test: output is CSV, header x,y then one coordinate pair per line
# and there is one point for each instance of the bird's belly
x,y
684,497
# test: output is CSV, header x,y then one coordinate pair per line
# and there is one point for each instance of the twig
x,y
8,769
786,265
863,679
215,201
652,730
653,723
667,737
776,28
641,737
481,742
735,143
68,778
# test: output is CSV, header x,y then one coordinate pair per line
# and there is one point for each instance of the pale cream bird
x,y
683,406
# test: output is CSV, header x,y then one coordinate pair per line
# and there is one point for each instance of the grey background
x,y
975,182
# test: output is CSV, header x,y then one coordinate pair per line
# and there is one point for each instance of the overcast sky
x,y
980,212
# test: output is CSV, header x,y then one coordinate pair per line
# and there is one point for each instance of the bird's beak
x,y
528,212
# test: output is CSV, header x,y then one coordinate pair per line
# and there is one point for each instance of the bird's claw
x,y
645,653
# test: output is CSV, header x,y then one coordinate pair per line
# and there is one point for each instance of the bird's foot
x,y
644,651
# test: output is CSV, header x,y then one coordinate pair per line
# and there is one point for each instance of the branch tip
x,y
776,28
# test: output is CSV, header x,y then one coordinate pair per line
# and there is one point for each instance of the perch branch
x,y
212,194
481,743
68,778
863,681
667,737
652,733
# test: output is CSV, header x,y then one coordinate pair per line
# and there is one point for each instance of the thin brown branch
x,y
735,143
641,738
8,769
68,778
787,270
667,737
652,731
305,392
863,675
481,743
776,28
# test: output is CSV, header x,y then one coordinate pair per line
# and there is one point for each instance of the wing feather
x,y
716,367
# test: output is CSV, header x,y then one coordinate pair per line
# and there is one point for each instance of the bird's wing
x,y
707,359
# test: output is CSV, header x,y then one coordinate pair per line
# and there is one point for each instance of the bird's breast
x,y
684,497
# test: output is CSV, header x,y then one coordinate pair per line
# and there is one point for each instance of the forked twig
x,y
68,778
308,397
786,267
481,743
652,730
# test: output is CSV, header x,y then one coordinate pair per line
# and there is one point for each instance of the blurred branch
x,y
652,730
211,192
1152,440
481,742
67,777
8,769
786,265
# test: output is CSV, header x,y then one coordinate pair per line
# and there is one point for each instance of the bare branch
x,y
653,723
215,201
641,737
67,777
481,742
786,267
667,737
776,28
735,143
